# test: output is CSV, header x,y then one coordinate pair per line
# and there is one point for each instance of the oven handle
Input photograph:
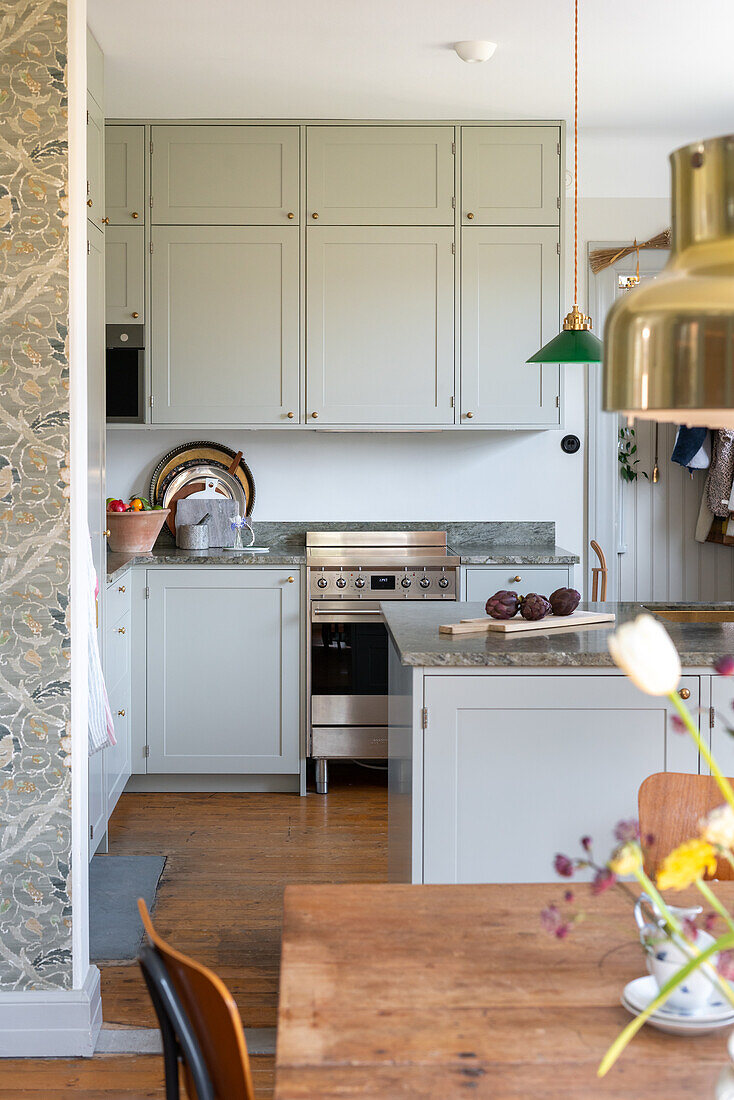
x,y
344,616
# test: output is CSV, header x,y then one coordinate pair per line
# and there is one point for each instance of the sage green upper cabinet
x,y
95,163
380,175
225,324
510,175
510,308
225,175
124,275
125,174
380,326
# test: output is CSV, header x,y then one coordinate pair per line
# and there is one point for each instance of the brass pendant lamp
x,y
575,343
669,344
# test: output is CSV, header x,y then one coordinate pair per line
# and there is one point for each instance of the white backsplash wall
x,y
351,476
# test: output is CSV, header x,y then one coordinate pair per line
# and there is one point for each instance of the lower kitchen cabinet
x,y
118,649
482,581
223,670
97,802
517,768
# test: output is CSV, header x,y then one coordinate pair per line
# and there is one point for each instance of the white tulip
x,y
644,651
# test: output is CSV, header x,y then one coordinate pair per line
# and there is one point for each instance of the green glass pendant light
x,y
575,343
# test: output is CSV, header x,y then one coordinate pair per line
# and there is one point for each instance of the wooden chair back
x,y
213,1014
670,806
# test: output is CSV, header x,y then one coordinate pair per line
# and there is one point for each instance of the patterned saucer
x,y
715,1015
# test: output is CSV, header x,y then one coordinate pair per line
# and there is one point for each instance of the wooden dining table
x,y
455,991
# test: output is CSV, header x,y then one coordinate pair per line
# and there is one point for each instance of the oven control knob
x,y
340,582
443,582
359,583
406,582
425,582
322,582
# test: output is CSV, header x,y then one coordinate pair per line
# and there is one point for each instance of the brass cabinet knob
x,y
105,221
121,588
121,713
121,630
315,216
291,215
135,214
136,314
684,693
106,532
470,216
315,416
470,416
291,580
291,415
89,202
515,580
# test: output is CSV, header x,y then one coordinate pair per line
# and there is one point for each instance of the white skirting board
x,y
51,1023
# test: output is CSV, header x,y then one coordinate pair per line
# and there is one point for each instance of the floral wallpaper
x,y
35,789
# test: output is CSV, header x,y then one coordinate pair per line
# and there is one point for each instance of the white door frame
x,y
603,480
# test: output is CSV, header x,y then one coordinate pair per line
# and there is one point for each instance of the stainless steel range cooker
x,y
349,573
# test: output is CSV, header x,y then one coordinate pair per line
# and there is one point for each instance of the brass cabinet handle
x,y
291,215
121,630
135,214
121,588
515,580
106,532
684,693
291,415
470,416
136,314
315,416
89,202
121,713
291,580
315,216
470,216
105,221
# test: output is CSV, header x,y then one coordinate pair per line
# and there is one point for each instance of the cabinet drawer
x,y
117,651
483,581
117,602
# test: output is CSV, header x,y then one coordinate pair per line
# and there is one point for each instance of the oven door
x,y
348,680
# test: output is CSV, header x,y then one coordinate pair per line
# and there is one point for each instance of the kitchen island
x,y
507,749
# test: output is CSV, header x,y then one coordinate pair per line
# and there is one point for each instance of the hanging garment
x,y
721,473
100,724
692,448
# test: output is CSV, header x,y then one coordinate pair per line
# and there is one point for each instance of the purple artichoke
x,y
503,605
534,607
564,601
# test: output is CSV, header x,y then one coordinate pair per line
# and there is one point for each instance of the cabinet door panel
x,y
95,163
510,308
510,175
225,327
380,175
556,756
96,800
483,581
125,275
225,175
125,174
380,326
223,671
117,758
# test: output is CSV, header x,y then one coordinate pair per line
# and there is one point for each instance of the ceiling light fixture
x,y
575,343
475,50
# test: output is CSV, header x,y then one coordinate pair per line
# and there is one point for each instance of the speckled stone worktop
x,y
414,630
117,564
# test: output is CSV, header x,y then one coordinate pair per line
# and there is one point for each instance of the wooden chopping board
x,y
519,625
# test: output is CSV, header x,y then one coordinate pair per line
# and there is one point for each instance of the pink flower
x,y
724,666
550,919
625,831
562,931
689,927
563,866
677,724
568,896
586,843
602,881
709,921
725,965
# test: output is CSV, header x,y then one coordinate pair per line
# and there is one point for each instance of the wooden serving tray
x,y
519,625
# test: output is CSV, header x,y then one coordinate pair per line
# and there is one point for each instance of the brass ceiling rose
x,y
669,344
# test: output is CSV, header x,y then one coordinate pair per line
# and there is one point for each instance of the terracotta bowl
x,y
134,532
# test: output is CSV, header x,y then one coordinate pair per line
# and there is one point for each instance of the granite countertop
x,y
488,553
414,627
117,564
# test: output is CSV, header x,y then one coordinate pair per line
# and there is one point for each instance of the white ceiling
x,y
644,63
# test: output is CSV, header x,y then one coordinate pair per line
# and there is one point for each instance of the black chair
x,y
179,1040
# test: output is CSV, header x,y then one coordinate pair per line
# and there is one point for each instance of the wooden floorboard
x,y
229,857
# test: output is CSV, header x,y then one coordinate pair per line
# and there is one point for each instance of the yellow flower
x,y
626,859
718,827
686,863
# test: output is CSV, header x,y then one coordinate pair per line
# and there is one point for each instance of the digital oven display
x,y
384,583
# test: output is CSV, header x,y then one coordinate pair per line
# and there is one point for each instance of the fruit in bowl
x,y
133,527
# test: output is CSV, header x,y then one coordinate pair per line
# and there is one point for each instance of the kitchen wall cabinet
x,y
510,175
125,174
482,581
95,163
510,306
225,175
492,740
380,326
125,275
225,332
380,175
223,670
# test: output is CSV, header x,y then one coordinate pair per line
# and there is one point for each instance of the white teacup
x,y
665,957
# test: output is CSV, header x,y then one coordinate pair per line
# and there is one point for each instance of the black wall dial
x,y
570,444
